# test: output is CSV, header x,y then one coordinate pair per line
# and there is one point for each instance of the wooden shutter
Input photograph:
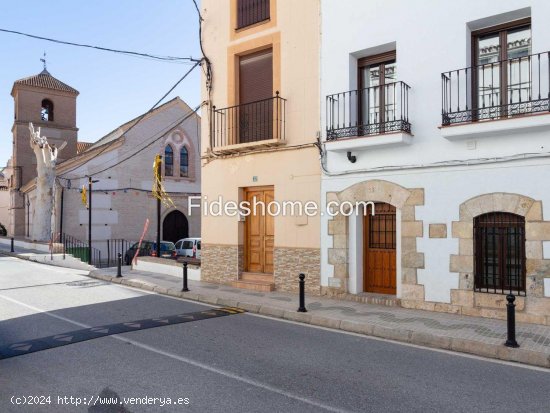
x,y
256,76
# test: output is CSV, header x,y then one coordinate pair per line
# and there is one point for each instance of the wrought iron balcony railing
x,y
370,111
258,121
496,90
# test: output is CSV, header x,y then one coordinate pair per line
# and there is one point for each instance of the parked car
x,y
149,249
189,247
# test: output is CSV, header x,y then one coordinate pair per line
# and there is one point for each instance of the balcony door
x,y
377,100
502,73
255,109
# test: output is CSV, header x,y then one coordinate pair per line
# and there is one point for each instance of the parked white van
x,y
189,247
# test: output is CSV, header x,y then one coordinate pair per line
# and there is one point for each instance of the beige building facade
x,y
259,134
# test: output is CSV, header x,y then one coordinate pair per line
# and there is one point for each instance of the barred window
x,y
250,12
499,248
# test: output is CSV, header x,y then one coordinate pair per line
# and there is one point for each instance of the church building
x,y
120,163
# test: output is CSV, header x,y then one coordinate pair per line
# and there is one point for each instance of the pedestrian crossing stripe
x,y
77,336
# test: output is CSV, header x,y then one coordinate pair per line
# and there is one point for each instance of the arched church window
x,y
46,113
168,161
184,162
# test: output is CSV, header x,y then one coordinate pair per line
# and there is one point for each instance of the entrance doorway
x,y
259,232
379,258
175,227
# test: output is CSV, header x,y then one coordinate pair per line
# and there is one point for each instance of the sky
x,y
113,88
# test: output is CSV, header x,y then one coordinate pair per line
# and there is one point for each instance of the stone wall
x,y
290,262
534,307
220,263
404,200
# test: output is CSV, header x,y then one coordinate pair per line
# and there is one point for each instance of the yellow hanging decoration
x,y
84,196
158,189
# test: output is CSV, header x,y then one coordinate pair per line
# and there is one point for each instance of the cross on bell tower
x,y
43,60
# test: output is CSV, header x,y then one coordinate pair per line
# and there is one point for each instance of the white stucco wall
x,y
430,38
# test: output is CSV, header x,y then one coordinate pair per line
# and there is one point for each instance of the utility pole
x,y
159,177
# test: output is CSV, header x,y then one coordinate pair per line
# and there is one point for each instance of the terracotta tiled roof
x,y
82,146
46,81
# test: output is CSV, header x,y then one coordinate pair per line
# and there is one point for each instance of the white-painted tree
x,y
46,159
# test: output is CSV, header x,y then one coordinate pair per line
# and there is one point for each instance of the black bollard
x,y
119,265
185,277
12,249
302,308
511,310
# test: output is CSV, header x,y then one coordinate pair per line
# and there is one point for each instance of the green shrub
x,y
3,230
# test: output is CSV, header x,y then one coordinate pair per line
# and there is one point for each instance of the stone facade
x,y
225,263
405,200
534,307
220,263
290,262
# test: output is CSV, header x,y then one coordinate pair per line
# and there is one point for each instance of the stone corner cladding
x,y
534,307
404,199
290,262
220,263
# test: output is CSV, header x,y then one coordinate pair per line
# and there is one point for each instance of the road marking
x,y
225,373
90,333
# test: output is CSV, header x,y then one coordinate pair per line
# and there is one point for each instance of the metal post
x,y
511,313
302,308
61,214
90,220
158,211
12,249
119,266
185,277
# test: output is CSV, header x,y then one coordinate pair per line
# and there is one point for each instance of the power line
x,y
173,59
140,118
194,111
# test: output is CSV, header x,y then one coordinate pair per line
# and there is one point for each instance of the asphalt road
x,y
235,363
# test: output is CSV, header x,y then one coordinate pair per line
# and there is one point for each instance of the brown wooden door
x,y
379,253
260,233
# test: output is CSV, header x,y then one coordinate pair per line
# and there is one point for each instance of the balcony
x,y
248,126
376,110
499,90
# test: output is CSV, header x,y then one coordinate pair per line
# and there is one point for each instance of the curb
x,y
499,352
45,262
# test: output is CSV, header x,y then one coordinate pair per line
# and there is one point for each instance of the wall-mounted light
x,y
352,158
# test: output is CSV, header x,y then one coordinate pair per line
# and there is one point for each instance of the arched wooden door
x,y
379,269
175,227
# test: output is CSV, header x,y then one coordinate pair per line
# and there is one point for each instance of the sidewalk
x,y
474,335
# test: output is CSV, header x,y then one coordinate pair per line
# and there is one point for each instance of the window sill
x,y
244,147
497,127
360,142
251,26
